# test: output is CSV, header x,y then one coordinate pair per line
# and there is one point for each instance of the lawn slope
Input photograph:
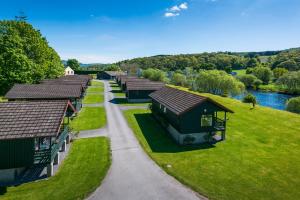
x,y
259,159
80,174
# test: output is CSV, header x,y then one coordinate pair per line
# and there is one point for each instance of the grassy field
x,y
89,119
80,174
272,87
93,98
259,160
95,89
240,71
97,83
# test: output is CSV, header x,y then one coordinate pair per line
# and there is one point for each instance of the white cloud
x,y
175,10
183,6
169,14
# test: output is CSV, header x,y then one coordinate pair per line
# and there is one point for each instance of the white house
x,y
69,71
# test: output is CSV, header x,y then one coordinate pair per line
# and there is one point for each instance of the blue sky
x,y
112,30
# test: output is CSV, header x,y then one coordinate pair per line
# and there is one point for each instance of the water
x,y
269,99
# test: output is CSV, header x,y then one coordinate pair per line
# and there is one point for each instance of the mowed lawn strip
x,y
93,98
89,118
80,174
97,83
95,89
259,159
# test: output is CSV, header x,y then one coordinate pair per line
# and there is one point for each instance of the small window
x,y
159,106
44,143
206,120
165,109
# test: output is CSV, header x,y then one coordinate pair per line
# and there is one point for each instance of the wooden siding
x,y
139,94
189,122
16,153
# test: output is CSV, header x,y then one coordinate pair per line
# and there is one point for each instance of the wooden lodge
x,y
109,75
22,92
32,133
124,79
189,118
83,80
138,90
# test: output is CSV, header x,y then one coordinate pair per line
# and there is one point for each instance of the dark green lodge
x,y
189,118
138,90
109,75
31,134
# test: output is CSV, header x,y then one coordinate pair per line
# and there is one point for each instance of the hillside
x,y
217,60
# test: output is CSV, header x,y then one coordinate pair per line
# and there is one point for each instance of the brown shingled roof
x,y
179,101
126,78
43,91
82,83
29,119
143,84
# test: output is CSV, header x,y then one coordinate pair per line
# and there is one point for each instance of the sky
x,y
106,31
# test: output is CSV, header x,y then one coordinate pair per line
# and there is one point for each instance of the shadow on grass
x,y
114,85
119,101
3,190
158,138
116,91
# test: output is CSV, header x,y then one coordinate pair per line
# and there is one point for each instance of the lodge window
x,y
165,109
42,143
206,120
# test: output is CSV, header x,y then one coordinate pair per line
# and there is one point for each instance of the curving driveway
x,y
133,175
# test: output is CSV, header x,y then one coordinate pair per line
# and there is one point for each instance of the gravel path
x,y
133,175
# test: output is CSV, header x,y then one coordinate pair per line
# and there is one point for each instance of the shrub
x,y
263,73
250,98
293,105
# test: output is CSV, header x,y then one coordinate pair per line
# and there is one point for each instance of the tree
x,y
252,62
263,73
290,65
178,79
25,56
278,72
218,82
290,81
293,105
154,74
248,80
74,64
250,98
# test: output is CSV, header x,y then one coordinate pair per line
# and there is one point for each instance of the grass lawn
x,y
95,89
80,174
119,94
89,118
97,83
2,99
272,87
240,71
259,159
93,98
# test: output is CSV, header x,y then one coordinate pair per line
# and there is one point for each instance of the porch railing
x,y
45,156
219,124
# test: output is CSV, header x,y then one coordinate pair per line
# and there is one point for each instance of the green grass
x,y
2,99
95,89
119,94
97,83
80,174
93,98
259,159
89,118
272,87
240,71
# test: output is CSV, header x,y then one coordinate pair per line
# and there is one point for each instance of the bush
x,y
293,105
248,80
263,73
178,79
250,98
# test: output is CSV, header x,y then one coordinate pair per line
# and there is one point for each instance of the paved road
x,y
133,175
